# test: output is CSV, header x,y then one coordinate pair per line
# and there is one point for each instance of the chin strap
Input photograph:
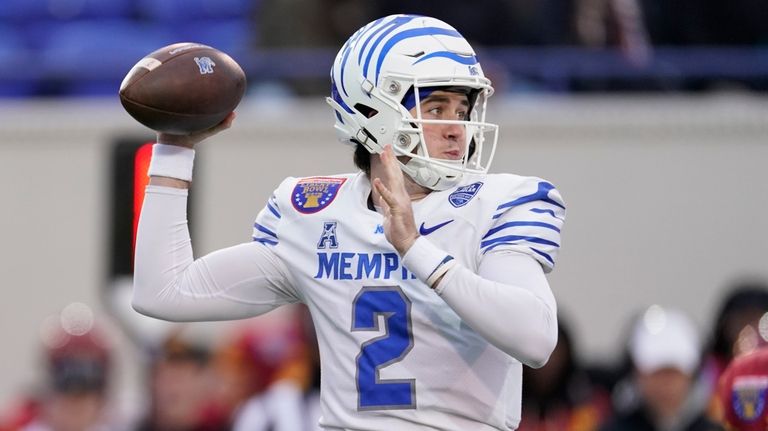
x,y
429,177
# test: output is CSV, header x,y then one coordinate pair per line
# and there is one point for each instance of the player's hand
x,y
399,225
193,139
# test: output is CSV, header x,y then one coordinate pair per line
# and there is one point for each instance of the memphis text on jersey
x,y
335,265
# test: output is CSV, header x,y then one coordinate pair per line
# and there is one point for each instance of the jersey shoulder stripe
x,y
273,207
266,228
528,219
541,194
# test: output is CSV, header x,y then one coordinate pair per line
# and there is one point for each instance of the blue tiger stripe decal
x,y
541,194
463,59
273,210
388,28
407,34
338,99
544,211
512,238
347,49
261,228
521,223
265,241
365,43
544,255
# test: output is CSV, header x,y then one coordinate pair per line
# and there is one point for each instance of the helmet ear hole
x,y
367,111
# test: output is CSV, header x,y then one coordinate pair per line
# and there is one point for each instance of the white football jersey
x,y
394,355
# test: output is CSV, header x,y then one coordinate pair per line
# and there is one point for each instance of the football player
x,y
424,274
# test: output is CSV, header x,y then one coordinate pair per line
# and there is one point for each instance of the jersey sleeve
x,y
527,219
232,283
265,227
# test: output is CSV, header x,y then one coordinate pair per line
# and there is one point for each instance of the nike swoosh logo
x,y
423,230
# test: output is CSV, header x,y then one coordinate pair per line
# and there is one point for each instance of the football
x,y
183,88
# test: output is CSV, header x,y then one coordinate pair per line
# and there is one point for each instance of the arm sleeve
x,y
237,282
508,302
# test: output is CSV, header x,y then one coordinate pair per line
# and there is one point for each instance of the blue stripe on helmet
x,y
374,25
347,49
407,34
337,97
463,59
341,70
397,22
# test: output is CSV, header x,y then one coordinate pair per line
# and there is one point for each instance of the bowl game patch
x,y
311,195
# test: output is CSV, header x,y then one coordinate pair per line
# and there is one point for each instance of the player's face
x,y
445,141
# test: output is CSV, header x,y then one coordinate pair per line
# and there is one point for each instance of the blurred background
x,y
650,116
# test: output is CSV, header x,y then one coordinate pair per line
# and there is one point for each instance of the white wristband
x,y
426,261
447,263
171,161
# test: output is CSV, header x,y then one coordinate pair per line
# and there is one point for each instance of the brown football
x,y
183,88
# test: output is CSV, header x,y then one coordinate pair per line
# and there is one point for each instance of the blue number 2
x,y
379,352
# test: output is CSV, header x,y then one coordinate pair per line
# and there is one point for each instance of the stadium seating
x,y
18,77
91,57
85,47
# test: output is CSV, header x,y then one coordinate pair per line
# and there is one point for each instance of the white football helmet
x,y
404,57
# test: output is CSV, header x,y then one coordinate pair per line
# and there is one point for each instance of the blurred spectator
x,y
706,22
664,349
736,330
78,361
674,23
560,396
743,392
180,385
263,374
308,23
302,24
496,22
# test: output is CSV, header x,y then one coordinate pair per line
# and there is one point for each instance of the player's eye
x,y
435,111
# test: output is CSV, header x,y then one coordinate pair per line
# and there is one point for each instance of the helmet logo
x,y
473,71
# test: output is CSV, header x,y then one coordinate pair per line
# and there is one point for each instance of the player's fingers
x,y
225,124
394,174
386,195
383,204
387,159
387,210
192,139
